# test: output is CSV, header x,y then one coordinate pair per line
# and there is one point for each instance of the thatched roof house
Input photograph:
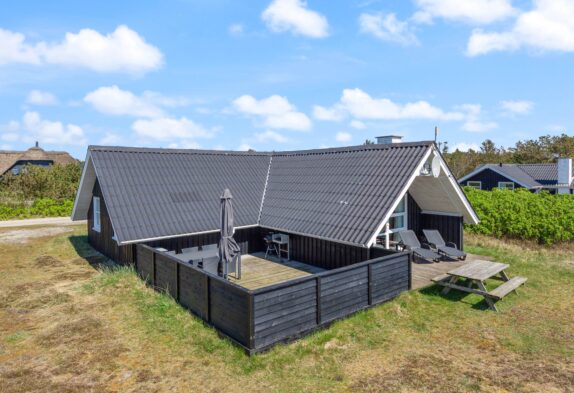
x,y
14,160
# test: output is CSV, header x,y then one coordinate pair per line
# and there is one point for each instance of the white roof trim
x,y
458,190
484,167
76,215
416,172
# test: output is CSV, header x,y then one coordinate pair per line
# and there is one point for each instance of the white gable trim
x,y
501,173
416,172
84,193
458,190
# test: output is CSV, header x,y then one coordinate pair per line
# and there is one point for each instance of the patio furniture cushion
x,y
451,251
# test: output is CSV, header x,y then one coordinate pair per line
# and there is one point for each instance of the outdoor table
x,y
476,273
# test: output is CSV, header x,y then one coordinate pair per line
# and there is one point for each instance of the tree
x,y
369,142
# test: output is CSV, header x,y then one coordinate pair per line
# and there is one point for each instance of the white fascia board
x,y
81,191
457,188
405,189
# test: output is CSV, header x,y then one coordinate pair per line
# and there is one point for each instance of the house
x,y
556,178
335,205
14,161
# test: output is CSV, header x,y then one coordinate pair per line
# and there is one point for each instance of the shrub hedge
x,y
521,214
43,207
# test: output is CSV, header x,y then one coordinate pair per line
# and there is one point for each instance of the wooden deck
x,y
424,272
259,272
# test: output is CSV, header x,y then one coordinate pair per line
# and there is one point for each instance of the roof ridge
x,y
128,149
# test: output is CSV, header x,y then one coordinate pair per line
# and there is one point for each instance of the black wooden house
x,y
337,205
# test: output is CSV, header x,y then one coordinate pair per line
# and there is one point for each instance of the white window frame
x,y
97,214
405,216
387,229
476,183
503,185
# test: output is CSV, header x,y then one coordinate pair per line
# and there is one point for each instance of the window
x,y
508,185
96,207
475,184
398,220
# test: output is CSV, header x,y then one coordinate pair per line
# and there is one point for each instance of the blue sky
x,y
283,74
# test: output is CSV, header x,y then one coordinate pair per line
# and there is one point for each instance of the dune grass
x,y
70,321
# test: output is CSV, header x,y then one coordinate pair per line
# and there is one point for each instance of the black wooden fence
x,y
257,319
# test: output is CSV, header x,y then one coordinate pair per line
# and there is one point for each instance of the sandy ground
x,y
22,236
40,221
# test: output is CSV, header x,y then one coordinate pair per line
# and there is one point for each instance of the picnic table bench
x,y
476,273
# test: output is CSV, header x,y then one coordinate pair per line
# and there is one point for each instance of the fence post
x,y
251,316
319,317
153,269
370,283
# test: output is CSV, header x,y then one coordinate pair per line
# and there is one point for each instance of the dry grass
x,y
70,322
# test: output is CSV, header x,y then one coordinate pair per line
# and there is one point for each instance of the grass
x,y
71,322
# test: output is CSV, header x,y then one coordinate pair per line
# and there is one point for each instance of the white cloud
x,y
358,125
111,139
336,113
276,112
10,137
517,107
473,121
549,26
244,147
296,17
387,27
51,132
361,105
184,145
123,50
11,126
236,29
343,137
166,128
112,100
270,136
463,146
37,97
469,11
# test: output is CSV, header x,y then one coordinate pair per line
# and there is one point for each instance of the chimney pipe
x,y
389,139
37,144
564,174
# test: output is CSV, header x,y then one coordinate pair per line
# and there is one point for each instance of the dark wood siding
x,y
260,318
249,239
413,215
284,312
489,179
450,227
389,278
289,310
344,293
323,253
103,240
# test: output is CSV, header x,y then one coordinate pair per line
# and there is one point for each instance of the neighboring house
x,y
556,178
333,203
14,161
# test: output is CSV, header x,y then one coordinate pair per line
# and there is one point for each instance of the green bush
x,y
522,214
39,191
43,207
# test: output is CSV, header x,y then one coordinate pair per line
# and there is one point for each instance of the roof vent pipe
x,y
389,139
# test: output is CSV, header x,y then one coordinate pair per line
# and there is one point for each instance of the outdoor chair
x,y
449,249
423,251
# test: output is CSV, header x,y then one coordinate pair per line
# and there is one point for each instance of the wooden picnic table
x,y
476,273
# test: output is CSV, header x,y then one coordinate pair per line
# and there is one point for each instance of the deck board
x,y
424,272
258,272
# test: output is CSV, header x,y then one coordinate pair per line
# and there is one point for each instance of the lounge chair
x,y
435,240
410,240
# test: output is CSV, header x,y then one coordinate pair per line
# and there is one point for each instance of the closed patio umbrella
x,y
228,247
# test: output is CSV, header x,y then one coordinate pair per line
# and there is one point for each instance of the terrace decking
x,y
424,272
258,272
